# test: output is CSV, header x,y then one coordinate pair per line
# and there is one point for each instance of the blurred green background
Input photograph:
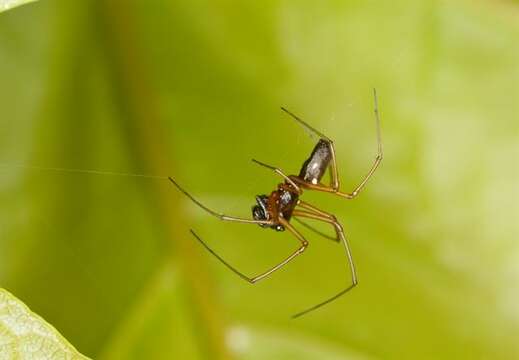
x,y
192,89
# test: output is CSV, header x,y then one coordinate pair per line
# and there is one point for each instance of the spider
x,y
283,204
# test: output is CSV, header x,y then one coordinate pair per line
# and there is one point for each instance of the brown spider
x,y
277,209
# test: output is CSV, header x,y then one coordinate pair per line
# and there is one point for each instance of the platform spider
x,y
277,209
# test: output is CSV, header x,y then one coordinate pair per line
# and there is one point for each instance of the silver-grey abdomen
x,y
315,166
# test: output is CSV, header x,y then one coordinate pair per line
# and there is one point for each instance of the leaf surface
x,y
10,4
25,335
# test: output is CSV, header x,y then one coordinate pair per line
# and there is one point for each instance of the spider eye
x,y
280,228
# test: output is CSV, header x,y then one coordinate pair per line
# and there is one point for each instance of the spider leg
x,y
340,232
281,173
261,276
335,183
311,228
314,209
218,215
377,160
310,209
305,124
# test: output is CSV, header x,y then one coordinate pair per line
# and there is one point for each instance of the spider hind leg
x,y
311,212
334,186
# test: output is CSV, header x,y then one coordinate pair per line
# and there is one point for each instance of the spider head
x,y
259,211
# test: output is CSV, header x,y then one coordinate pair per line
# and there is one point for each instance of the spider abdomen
x,y
315,166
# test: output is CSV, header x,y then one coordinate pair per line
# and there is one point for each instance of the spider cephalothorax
x,y
280,202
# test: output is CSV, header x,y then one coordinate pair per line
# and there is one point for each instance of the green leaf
x,y
10,4
25,335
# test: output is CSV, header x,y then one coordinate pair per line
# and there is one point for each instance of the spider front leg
x,y
257,278
219,215
282,221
